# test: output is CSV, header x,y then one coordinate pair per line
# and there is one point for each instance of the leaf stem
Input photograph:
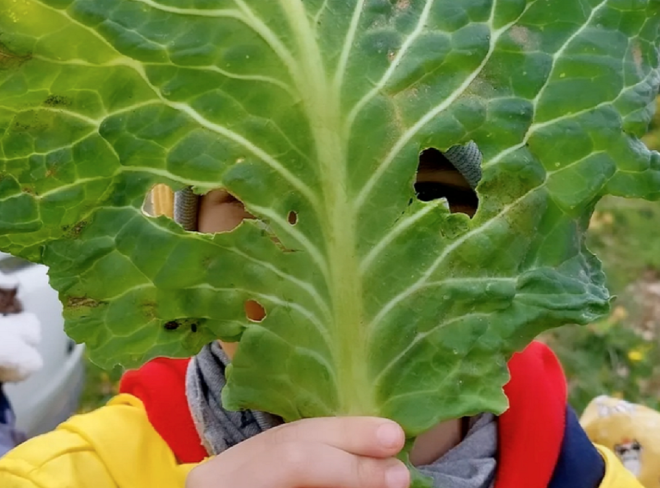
x,y
321,99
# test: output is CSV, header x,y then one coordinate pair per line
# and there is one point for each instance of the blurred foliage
x,y
609,357
625,234
100,386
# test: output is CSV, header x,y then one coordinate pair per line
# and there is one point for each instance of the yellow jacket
x,y
112,447
107,449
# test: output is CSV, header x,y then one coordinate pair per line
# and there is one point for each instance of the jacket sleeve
x,y
113,447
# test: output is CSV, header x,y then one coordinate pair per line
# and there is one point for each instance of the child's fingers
x,y
349,452
316,465
300,465
362,436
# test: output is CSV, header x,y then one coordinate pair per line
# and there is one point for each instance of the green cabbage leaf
x,y
313,113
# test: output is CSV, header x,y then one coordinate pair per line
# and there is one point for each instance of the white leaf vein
x,y
348,45
434,112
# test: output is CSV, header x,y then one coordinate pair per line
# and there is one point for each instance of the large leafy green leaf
x,y
376,303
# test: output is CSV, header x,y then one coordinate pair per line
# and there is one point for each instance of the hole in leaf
x,y
293,218
181,206
217,211
438,177
159,201
220,211
254,311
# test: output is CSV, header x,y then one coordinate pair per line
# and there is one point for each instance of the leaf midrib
x,y
321,98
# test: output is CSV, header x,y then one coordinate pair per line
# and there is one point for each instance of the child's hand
x,y
349,452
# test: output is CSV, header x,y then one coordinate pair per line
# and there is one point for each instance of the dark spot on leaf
x,y
57,100
9,59
208,261
188,323
30,121
82,302
173,325
292,218
76,230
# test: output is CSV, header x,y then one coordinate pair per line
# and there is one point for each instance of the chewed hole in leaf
x,y
182,206
438,177
217,211
254,311
292,218
159,201
220,211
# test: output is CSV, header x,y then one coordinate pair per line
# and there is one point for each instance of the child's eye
x,y
438,178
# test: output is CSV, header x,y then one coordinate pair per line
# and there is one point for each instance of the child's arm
x,y
116,446
112,447
316,453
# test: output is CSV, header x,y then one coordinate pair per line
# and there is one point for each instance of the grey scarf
x,y
471,464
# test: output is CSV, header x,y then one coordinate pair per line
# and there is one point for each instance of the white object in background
x,y
20,335
8,282
50,396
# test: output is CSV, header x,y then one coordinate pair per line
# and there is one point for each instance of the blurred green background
x,y
618,356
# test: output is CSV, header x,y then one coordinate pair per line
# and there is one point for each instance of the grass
x,y
625,234
100,386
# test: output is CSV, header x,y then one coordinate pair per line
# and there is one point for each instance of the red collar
x,y
161,385
530,432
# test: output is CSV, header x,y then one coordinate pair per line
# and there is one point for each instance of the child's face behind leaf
x,y
221,212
